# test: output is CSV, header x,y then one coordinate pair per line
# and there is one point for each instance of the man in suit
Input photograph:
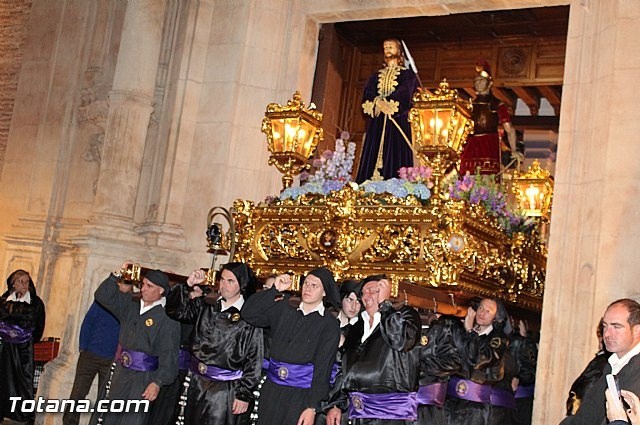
x,y
621,333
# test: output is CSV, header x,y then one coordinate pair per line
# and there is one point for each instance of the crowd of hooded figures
x,y
329,354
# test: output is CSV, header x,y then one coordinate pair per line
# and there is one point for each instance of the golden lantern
x,y
440,124
293,132
534,191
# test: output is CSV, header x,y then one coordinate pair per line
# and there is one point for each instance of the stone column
x,y
595,235
130,107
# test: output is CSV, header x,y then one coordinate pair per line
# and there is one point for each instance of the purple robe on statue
x,y
396,151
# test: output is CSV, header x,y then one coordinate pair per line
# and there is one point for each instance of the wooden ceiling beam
x,y
470,91
552,95
529,96
505,96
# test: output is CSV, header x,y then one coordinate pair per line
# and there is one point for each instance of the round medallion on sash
x,y
283,373
357,402
461,388
202,368
125,359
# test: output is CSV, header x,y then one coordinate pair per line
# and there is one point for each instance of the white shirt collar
x,y
486,330
162,301
618,363
344,320
237,304
368,329
319,308
26,298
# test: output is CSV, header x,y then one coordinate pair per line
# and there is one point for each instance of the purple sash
x,y
335,368
214,373
502,398
525,391
289,374
14,334
184,359
469,390
432,394
398,406
136,360
265,364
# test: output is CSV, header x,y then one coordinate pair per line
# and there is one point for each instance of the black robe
x,y
222,339
525,353
586,380
592,411
166,408
296,339
487,361
16,360
384,363
321,417
439,359
153,333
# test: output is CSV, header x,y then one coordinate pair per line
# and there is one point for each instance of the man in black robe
x,y
439,359
226,351
525,353
621,334
348,316
304,341
482,394
387,101
22,319
589,376
147,355
379,377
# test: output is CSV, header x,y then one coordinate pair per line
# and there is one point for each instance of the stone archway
x,y
590,145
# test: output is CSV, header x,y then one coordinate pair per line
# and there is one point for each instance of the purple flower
x,y
332,185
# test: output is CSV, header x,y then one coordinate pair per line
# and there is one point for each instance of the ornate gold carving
x,y
355,234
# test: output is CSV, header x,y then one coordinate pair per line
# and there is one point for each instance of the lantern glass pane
x,y
291,127
443,117
277,131
306,133
426,116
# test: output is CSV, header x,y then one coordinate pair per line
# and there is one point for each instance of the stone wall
x,y
14,16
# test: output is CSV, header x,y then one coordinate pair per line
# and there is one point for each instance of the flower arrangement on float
x,y
484,191
333,172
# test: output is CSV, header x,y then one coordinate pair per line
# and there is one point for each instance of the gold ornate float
x,y
431,249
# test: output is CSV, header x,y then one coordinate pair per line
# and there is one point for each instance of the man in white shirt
x,y
226,351
147,354
304,341
379,373
621,334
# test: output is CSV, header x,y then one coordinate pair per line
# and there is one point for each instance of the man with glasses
x,y
379,377
304,341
